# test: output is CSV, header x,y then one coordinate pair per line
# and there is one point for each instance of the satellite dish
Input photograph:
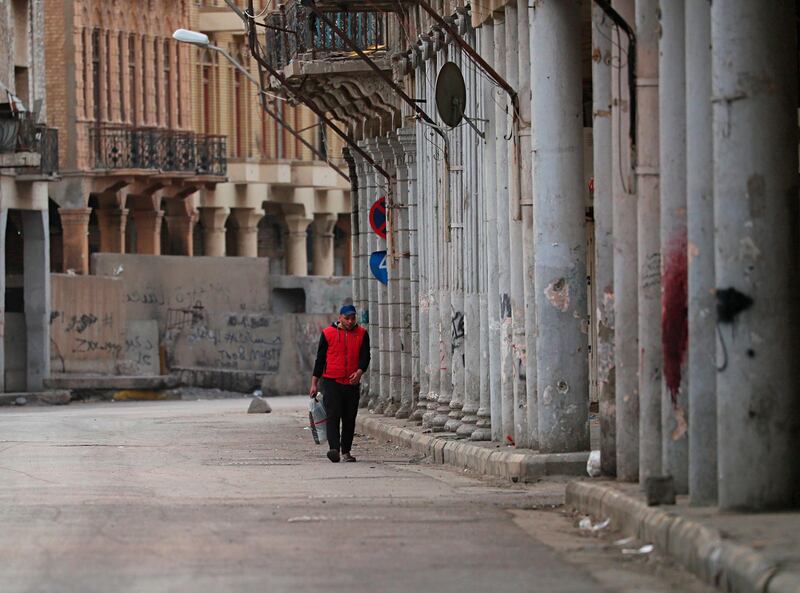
x,y
451,94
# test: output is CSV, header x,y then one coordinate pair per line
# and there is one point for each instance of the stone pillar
x,y
519,176
3,227
36,236
213,221
408,140
560,239
75,229
180,228
626,306
649,238
527,332
296,252
148,231
445,248
674,309
247,220
322,244
602,30
458,267
483,428
754,86
418,169
700,214
113,222
472,249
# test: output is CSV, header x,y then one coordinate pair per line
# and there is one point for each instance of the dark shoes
x,y
333,455
348,458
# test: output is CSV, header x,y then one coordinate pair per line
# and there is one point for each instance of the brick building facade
x,y
165,148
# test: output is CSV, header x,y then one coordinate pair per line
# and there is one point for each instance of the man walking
x,y
342,358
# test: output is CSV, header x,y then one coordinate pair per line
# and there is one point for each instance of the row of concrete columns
x,y
694,263
180,219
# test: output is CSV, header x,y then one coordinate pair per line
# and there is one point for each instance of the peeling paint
x,y
748,251
557,293
547,396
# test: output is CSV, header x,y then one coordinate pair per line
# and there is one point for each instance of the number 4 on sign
x,y
379,266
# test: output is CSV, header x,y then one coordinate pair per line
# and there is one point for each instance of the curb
x,y
702,550
58,397
515,466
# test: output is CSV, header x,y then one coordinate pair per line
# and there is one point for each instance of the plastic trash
x,y
317,419
593,465
645,549
586,524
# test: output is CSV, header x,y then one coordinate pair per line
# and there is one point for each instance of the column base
x,y
403,412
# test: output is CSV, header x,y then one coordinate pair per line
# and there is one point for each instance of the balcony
x,y
295,32
167,151
317,62
29,148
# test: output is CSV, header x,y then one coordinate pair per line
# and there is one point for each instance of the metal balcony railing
x,y
295,29
164,150
21,133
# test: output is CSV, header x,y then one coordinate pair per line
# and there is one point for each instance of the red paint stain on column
x,y
674,315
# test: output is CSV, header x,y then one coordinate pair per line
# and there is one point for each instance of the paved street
x,y
199,496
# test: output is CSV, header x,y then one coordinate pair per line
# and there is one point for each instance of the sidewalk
x,y
736,552
742,553
518,465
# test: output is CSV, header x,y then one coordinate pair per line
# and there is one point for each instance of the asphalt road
x,y
197,496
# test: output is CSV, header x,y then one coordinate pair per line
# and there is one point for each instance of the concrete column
x,y
148,231
754,90
459,267
444,249
403,220
75,237
345,224
526,211
36,261
472,255
322,244
602,31
625,299
371,241
398,286
296,251
3,227
649,241
503,312
113,223
408,139
494,129
700,214
180,231
247,220
423,252
483,428
213,221
674,311
519,176
560,241
365,277
433,195
381,152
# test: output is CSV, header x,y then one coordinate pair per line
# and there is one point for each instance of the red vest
x,y
343,352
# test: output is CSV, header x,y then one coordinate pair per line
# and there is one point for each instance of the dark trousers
x,y
341,404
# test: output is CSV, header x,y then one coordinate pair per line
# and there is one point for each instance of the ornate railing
x,y
165,150
23,134
295,29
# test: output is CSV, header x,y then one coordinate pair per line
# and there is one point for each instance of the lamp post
x,y
202,40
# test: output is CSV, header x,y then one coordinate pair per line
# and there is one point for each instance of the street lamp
x,y
202,40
